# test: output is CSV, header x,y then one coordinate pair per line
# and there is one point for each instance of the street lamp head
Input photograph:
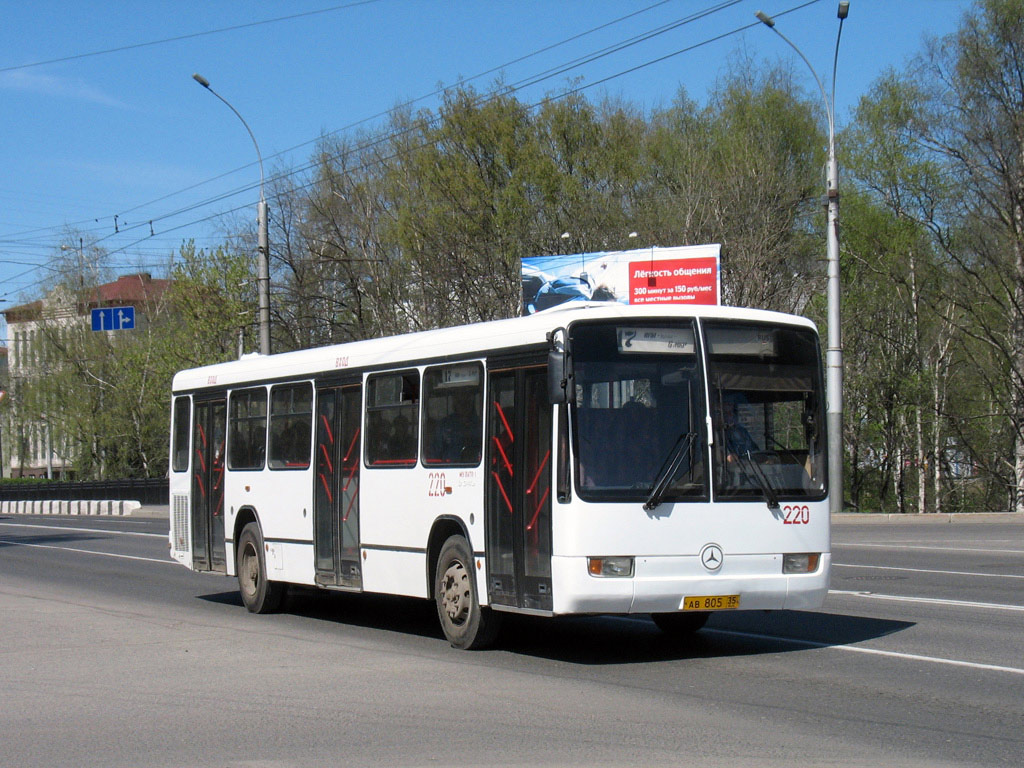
x,y
765,19
201,80
844,9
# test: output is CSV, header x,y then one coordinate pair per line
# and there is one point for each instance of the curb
x,y
114,508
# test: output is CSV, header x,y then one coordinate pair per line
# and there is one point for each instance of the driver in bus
x,y
738,441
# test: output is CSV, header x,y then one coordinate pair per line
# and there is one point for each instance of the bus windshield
x,y
637,412
767,411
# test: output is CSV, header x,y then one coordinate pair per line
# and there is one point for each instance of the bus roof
x,y
476,339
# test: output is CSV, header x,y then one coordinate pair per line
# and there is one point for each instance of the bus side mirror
x,y
560,379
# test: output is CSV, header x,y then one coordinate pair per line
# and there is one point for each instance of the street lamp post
x,y
263,264
81,262
834,349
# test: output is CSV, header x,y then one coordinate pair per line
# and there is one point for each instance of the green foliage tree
x,y
422,222
211,305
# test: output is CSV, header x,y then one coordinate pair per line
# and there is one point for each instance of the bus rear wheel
x,y
467,625
680,624
259,594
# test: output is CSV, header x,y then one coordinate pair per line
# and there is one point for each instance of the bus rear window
x,y
182,417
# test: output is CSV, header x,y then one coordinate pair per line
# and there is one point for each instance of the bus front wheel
x,y
466,624
259,594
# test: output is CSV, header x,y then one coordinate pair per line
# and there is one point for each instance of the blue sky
x,y
128,133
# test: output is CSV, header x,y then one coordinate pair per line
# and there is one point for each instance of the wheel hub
x,y
251,570
456,596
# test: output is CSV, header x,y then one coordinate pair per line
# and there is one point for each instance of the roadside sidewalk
x,y
853,518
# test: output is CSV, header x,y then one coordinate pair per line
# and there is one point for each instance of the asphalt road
x,y
111,655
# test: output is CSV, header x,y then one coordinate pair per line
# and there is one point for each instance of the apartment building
x,y
36,333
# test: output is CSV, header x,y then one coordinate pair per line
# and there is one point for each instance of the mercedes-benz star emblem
x,y
711,556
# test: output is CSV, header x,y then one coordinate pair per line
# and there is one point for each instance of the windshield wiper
x,y
762,480
668,470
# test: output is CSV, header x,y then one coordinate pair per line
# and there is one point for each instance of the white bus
x,y
589,459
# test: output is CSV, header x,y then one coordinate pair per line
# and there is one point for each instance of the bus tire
x,y
259,594
467,625
680,624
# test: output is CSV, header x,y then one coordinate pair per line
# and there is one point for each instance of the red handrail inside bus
x,y
350,447
327,426
508,502
504,421
327,487
327,458
504,456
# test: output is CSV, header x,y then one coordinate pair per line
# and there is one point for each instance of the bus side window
x,y
291,415
392,419
248,428
453,422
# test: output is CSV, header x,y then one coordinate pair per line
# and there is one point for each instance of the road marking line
x,y
872,651
82,530
8,542
934,549
931,600
930,570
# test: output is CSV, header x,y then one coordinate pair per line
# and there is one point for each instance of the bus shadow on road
x,y
390,613
47,539
595,640
602,640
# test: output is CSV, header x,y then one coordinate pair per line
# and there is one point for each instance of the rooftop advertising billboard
x,y
680,275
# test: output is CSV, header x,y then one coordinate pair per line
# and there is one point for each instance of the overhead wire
x,y
515,87
190,36
532,80
388,137
361,121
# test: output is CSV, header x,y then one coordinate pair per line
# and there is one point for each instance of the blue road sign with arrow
x,y
113,319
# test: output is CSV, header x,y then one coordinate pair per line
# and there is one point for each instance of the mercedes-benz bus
x,y
594,458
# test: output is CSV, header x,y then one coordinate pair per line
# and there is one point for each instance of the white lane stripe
x,y
930,600
932,549
8,542
872,651
82,530
930,570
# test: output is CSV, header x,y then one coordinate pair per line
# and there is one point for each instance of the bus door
x,y
208,485
336,491
518,506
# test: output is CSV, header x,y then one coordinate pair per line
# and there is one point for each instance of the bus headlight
x,y
806,562
610,567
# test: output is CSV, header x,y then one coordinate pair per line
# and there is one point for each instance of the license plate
x,y
711,602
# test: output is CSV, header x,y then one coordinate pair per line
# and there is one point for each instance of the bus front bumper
x,y
660,584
